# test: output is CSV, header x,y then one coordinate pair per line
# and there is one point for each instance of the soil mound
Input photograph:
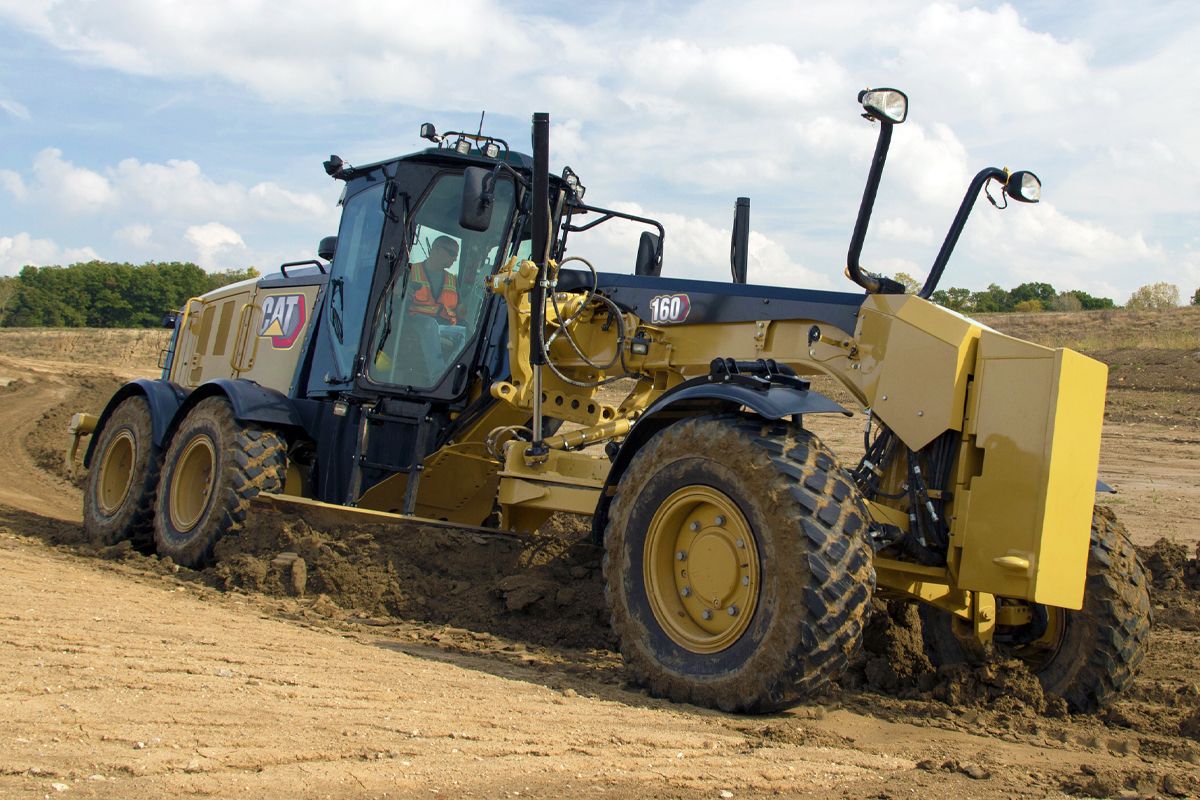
x,y
544,590
47,442
894,662
1175,581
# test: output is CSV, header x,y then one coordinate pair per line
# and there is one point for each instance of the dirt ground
x,y
411,661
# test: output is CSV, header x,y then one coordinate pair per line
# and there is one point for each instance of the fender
x,y
164,399
250,402
705,396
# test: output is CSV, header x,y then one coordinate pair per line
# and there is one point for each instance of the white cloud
x,y
13,184
65,186
14,108
693,248
23,250
177,190
685,108
217,246
137,235
901,230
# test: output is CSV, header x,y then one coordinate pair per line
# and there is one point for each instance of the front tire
x,y
214,467
118,499
738,573
1087,656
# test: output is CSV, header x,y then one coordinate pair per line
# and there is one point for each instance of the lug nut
x,y
695,526
720,520
741,543
706,614
745,580
681,555
686,591
733,610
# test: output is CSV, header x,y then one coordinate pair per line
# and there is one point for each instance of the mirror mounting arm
x,y
871,283
956,227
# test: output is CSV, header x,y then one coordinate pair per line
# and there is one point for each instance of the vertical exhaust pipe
x,y
540,229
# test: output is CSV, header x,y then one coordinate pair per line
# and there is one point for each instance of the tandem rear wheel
x,y
214,466
1087,656
738,573
118,499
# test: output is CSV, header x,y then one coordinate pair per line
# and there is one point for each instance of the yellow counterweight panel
x,y
1037,415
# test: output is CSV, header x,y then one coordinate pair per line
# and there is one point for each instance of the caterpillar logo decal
x,y
667,308
283,319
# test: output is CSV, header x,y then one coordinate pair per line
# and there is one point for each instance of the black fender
x,y
164,399
251,402
706,396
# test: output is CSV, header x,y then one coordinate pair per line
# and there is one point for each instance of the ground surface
x,y
425,662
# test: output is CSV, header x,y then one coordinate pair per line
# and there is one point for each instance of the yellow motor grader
x,y
445,360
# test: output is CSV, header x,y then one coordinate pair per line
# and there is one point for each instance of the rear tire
x,y
118,499
1098,648
214,467
721,513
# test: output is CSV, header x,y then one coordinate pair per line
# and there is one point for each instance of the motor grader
x,y
501,381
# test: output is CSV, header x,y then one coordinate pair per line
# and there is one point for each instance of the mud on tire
x,y
814,577
214,466
118,499
1101,645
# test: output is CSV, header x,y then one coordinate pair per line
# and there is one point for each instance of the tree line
x,y
1037,296
103,294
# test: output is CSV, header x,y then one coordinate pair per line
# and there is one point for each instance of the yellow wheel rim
x,y
116,473
192,483
701,569
1039,652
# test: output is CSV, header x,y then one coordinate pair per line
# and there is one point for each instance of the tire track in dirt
x,y
25,485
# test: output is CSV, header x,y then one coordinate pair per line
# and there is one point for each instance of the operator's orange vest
x,y
444,306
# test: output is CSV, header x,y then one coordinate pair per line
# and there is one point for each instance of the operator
x,y
435,291
435,299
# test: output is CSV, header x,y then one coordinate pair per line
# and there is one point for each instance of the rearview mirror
x,y
327,248
648,262
884,105
479,190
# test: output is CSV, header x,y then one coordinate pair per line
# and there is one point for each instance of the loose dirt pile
x,y
546,589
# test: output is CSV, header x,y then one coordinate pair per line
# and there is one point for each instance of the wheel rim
x,y
1041,651
192,483
701,569
116,473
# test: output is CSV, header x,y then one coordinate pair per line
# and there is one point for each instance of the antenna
x,y
481,113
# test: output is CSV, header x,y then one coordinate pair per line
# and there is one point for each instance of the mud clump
x,y
1175,582
894,650
544,590
894,662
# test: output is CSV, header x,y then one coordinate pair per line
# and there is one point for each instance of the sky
x,y
158,130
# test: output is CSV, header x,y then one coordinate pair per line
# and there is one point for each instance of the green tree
x,y
1042,292
1067,301
107,294
954,298
1028,306
991,299
1090,303
1154,296
8,293
1196,298
910,284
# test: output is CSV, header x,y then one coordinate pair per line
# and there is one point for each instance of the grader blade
x,y
330,515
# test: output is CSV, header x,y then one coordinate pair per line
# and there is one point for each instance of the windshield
x,y
348,291
430,312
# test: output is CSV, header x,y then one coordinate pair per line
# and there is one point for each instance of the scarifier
x,y
446,361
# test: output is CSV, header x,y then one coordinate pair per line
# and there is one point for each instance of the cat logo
x,y
283,319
